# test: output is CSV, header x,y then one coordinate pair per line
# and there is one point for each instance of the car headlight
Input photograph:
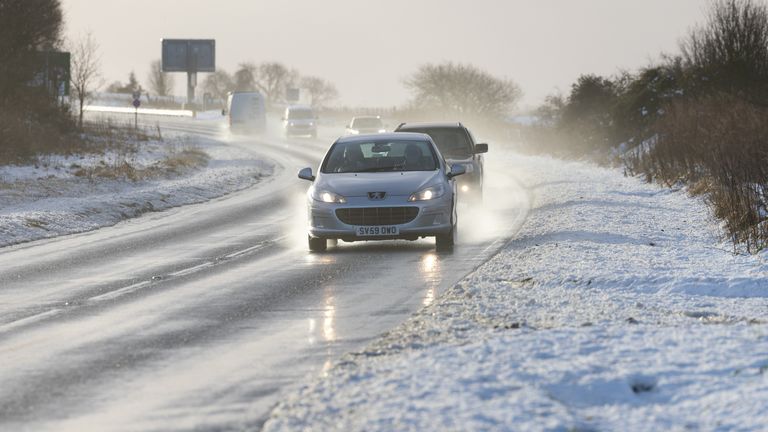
x,y
327,197
311,123
290,124
382,130
427,194
354,132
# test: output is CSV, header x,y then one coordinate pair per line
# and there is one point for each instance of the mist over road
x,y
200,316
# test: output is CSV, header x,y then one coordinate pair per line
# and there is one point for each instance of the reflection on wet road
x,y
199,317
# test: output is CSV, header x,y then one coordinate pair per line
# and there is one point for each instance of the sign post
x,y
136,105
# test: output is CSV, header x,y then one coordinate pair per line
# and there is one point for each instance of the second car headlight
x,y
327,197
427,194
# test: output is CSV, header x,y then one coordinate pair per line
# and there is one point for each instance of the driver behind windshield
x,y
381,157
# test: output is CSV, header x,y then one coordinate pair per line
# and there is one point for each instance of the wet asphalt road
x,y
198,318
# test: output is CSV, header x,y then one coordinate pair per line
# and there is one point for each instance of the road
x,y
201,316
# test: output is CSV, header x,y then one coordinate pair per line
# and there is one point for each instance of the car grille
x,y
377,215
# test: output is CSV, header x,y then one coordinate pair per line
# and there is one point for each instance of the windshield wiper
x,y
380,169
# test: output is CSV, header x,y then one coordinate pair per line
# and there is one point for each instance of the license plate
x,y
373,231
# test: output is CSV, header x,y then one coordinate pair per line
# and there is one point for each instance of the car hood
x,y
393,183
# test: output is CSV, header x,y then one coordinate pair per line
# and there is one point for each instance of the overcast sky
x,y
367,48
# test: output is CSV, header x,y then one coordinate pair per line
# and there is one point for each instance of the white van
x,y
246,111
299,120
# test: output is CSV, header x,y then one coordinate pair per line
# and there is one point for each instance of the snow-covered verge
x,y
69,194
616,307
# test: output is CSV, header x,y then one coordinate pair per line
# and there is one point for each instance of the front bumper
x,y
434,218
300,130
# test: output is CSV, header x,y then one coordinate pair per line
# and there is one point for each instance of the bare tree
x,y
272,78
463,89
85,73
320,91
219,84
159,82
730,50
245,77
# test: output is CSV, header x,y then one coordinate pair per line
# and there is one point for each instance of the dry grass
x,y
187,158
176,162
718,145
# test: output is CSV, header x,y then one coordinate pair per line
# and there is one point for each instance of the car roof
x,y
399,136
430,125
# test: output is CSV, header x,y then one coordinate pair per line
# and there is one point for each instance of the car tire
x,y
317,244
445,242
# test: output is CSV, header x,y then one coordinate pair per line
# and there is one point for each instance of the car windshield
x,y
367,122
452,142
300,114
380,156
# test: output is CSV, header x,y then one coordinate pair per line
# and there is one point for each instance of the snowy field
x,y
617,306
60,195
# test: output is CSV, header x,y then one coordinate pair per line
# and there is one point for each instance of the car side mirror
x,y
306,174
481,148
457,170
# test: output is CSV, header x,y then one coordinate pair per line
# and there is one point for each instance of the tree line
x,y
28,113
272,79
698,117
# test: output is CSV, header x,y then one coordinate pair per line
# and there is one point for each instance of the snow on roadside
x,y
616,307
61,194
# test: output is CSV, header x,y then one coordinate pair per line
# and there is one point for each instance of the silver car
x,y
365,125
299,120
382,186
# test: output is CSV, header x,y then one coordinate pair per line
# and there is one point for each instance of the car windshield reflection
x,y
380,156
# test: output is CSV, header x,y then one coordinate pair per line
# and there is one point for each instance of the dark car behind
x,y
458,146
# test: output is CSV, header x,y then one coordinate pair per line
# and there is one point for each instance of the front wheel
x,y
445,242
317,244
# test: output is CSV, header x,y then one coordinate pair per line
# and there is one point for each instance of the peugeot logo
x,y
376,196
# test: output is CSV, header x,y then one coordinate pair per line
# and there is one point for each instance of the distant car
x,y
300,120
382,186
246,111
458,146
365,125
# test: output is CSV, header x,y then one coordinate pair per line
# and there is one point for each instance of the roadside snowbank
x,y
616,307
70,194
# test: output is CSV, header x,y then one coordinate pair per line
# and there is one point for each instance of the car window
x,y
452,142
380,156
300,114
367,122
